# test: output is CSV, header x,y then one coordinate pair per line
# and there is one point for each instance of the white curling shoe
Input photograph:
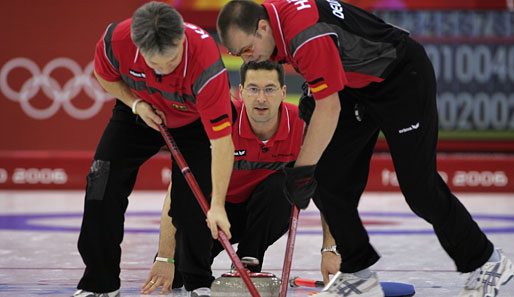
x,y
350,285
486,280
200,292
82,293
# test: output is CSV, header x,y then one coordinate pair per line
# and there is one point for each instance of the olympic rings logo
x,y
60,96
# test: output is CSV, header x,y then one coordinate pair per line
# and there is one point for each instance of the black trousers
x,y
403,107
126,144
255,224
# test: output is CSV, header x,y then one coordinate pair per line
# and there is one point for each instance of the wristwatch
x,y
331,248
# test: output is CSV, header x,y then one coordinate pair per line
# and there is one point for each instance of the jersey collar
x,y
280,55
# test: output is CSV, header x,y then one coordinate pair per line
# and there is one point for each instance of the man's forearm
x,y
328,239
167,230
321,129
222,165
118,89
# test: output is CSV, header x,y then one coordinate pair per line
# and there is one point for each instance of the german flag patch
x,y
220,123
317,85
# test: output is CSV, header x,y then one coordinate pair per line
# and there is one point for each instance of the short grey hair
x,y
156,28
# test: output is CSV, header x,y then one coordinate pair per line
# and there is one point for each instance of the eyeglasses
x,y
268,91
245,51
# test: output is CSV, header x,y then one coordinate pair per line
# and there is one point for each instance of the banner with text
x,y
68,170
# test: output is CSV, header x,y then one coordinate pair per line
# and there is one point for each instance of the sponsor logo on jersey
x,y
179,107
239,153
337,9
137,74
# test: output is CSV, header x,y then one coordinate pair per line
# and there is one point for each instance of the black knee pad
x,y
97,180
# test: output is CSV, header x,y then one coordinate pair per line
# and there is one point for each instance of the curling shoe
x,y
350,285
82,293
485,281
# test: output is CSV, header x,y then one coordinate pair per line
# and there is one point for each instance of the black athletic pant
x,y
126,144
193,237
404,108
260,221
255,224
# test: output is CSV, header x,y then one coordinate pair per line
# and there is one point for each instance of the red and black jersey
x,y
197,88
255,160
333,44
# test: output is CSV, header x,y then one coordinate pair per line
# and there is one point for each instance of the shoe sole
x,y
510,277
509,271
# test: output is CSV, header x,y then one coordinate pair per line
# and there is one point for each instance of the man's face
x,y
252,47
166,63
262,95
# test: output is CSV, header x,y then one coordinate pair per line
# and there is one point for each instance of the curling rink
x,y
39,232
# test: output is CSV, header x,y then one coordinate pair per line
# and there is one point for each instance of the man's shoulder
x,y
116,43
202,48
117,39
200,42
294,118
238,106
293,16
121,31
291,108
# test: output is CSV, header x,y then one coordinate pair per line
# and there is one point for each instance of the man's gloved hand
x,y
306,105
300,185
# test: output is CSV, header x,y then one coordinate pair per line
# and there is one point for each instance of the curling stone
x,y
231,284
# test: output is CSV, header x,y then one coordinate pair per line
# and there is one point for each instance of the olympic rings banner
x,y
61,95
48,95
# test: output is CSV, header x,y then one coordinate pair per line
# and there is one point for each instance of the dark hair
x,y
156,28
264,65
241,14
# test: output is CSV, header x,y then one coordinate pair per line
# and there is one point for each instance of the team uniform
x,y
385,82
255,160
195,98
256,207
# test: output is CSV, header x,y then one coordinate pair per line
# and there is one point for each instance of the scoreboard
x,y
473,57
